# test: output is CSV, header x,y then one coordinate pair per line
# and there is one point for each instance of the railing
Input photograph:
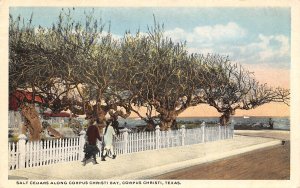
x,y
15,120
31,154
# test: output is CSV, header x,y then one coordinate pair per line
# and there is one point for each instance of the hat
x,y
108,121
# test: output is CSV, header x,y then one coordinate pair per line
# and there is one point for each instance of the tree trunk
x,y
97,113
75,126
165,125
167,120
150,124
53,132
224,119
33,122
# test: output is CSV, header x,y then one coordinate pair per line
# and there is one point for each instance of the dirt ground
x,y
272,163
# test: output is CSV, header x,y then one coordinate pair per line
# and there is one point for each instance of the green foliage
x,y
14,138
74,63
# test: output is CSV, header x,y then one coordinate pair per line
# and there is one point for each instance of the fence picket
x,y
59,150
12,154
51,151
135,142
55,152
72,149
32,154
43,151
76,142
47,152
16,153
66,148
39,153
150,140
129,143
63,150
138,142
69,149
131,146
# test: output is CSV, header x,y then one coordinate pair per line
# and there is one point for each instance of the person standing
x,y
91,149
108,149
271,123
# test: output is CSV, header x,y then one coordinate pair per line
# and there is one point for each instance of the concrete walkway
x,y
146,164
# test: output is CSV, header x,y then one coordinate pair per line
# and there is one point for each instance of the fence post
x,y
81,144
125,140
219,132
203,132
168,137
157,134
231,128
182,134
22,148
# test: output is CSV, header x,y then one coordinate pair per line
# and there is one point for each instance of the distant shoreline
x,y
219,117
236,117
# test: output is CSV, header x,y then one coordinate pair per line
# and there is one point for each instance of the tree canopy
x,y
81,67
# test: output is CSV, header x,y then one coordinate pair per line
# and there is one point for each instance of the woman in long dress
x,y
108,149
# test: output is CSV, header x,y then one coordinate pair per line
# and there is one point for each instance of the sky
x,y
258,38
255,36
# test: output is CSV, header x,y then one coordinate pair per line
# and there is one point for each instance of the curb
x,y
148,173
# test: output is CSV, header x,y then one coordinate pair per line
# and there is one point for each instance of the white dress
x,y
108,136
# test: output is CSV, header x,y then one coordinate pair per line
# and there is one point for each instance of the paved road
x,y
263,164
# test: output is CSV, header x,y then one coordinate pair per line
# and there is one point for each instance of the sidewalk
x,y
146,164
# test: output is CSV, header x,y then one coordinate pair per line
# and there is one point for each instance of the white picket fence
x,y
31,154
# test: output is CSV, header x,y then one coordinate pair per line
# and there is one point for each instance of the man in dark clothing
x,y
115,125
91,148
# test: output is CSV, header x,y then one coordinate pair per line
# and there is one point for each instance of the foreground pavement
x,y
270,163
146,164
